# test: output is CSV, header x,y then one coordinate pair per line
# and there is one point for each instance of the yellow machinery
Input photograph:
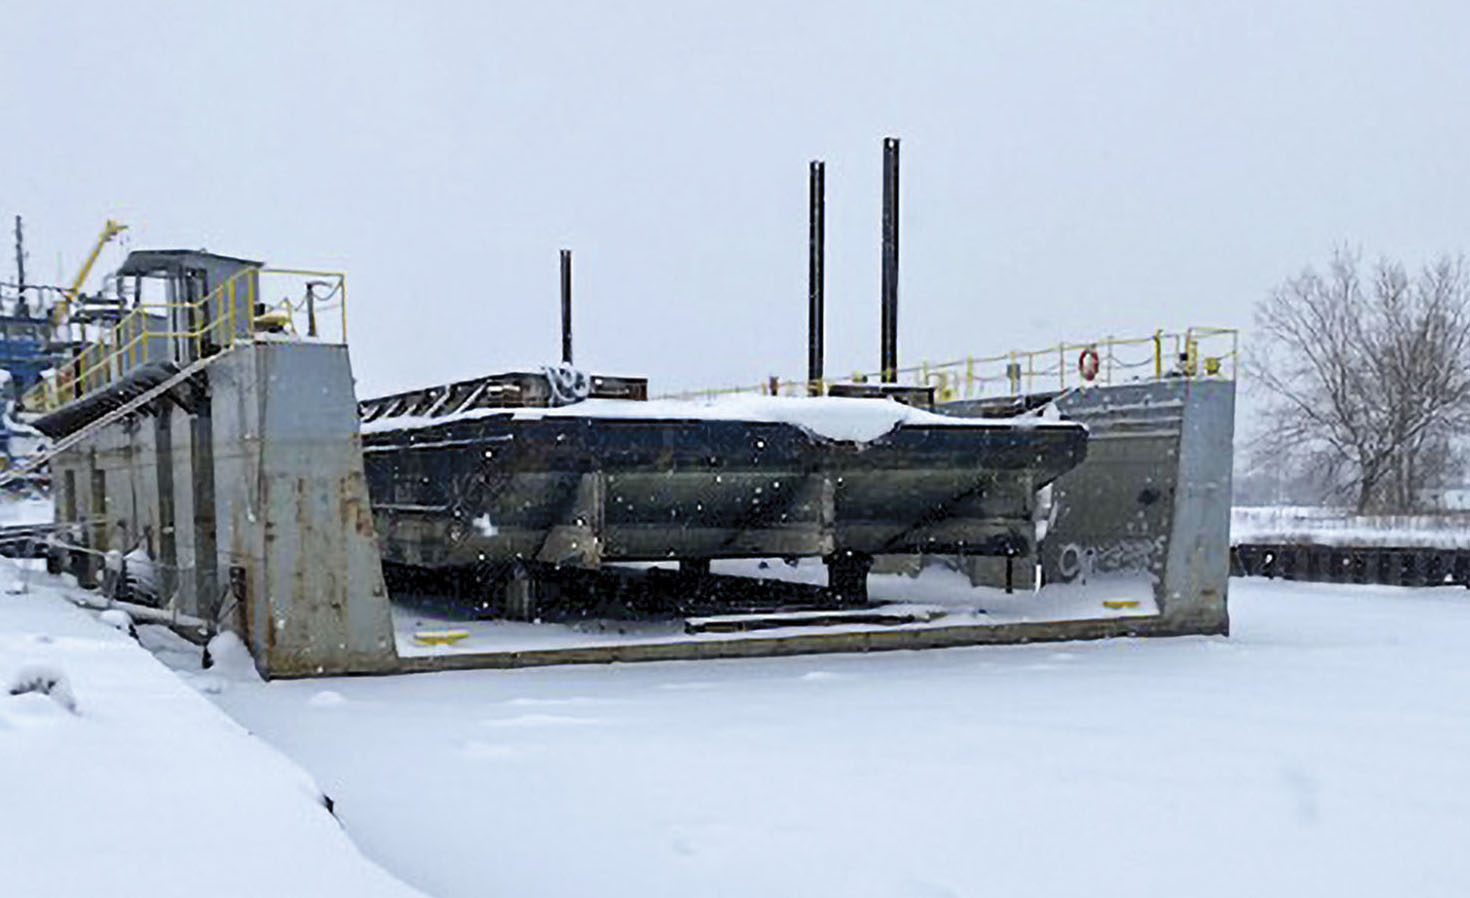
x,y
63,309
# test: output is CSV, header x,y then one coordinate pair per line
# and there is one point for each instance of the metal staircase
x,y
32,464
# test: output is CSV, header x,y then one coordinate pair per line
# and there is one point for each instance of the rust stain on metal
x,y
355,513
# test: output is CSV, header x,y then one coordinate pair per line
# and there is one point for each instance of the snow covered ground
x,y
29,510
1324,749
1339,527
146,788
944,596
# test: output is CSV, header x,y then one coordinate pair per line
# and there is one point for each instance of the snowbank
x,y
1339,527
146,788
16,511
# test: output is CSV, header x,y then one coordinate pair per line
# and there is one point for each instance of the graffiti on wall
x,y
1130,556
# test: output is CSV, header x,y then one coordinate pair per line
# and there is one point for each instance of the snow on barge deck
x,y
492,493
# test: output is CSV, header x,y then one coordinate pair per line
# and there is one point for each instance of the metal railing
x,y
1206,352
184,332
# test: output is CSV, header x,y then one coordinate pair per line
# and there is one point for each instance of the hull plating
x,y
585,490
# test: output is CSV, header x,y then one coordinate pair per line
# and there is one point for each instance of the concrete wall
x,y
254,506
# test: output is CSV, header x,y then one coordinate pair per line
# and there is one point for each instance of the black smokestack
x,y
816,248
566,306
889,350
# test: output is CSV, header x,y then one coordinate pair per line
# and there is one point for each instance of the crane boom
x,y
109,230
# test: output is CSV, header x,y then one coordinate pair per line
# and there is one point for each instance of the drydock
x,y
211,441
274,510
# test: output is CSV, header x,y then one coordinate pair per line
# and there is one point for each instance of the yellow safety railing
x,y
235,311
1199,352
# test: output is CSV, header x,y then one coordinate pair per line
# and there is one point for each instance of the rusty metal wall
x,y
293,510
272,479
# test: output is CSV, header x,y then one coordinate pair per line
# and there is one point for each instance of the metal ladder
x,y
132,405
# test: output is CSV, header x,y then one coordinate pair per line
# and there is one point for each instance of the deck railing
x,y
239,309
1207,352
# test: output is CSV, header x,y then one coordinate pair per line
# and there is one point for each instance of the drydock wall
x,y
1154,495
254,506
259,500
1151,504
1149,508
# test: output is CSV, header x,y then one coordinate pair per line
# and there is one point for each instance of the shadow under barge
x,y
544,513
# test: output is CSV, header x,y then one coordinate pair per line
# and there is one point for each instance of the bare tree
x,y
1367,379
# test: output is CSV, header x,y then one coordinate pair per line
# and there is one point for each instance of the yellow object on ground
x,y
443,637
1117,604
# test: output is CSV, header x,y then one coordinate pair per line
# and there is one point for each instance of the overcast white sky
x,y
1069,169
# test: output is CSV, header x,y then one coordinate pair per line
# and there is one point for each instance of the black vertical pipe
x,y
21,307
566,306
815,277
20,258
889,348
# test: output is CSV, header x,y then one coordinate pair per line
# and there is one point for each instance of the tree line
x,y
1364,375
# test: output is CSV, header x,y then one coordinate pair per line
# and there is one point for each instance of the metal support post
x,y
566,306
816,250
889,350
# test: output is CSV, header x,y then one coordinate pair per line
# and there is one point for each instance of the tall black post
x,y
20,256
20,271
566,306
889,349
815,277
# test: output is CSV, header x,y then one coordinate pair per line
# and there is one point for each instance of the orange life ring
x,y
1089,363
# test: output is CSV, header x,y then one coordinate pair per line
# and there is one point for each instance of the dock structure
x,y
211,434
231,451
202,430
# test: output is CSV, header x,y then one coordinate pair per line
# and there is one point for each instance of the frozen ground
x,y
145,788
1324,749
